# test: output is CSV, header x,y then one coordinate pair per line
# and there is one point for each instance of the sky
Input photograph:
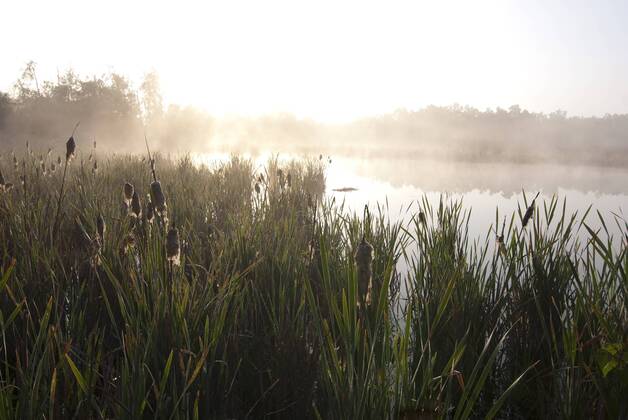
x,y
335,60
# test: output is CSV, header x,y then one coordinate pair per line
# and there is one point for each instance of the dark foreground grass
x,y
260,318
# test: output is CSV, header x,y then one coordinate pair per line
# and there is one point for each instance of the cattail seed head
x,y
70,148
529,212
101,227
59,160
128,193
257,188
173,249
1,178
150,212
136,206
157,197
364,263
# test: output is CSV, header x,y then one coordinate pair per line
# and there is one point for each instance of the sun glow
x,y
331,60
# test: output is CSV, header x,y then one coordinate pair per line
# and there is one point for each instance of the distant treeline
x,y
117,115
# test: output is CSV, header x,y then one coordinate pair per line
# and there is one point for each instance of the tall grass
x,y
261,317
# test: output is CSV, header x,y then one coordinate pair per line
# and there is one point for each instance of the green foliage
x,y
260,319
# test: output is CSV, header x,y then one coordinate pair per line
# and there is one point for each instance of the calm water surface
x,y
482,187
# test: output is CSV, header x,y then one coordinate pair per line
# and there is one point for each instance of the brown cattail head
x,y
529,212
101,227
173,249
257,188
1,178
70,148
157,197
136,206
150,212
128,193
422,217
364,263
128,243
59,160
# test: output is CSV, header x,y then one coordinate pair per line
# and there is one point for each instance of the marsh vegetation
x,y
151,287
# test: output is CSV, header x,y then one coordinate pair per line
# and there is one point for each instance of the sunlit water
x,y
397,185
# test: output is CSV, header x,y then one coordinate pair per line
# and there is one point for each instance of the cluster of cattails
x,y
364,263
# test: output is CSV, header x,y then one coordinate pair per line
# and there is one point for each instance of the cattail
x,y
364,263
101,227
257,188
128,243
59,160
422,217
150,212
280,175
173,250
136,206
43,168
529,212
1,178
94,144
91,156
70,148
128,193
157,197
95,167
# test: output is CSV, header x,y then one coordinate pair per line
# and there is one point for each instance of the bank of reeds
x,y
262,315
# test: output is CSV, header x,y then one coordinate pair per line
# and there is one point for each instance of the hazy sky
x,y
335,60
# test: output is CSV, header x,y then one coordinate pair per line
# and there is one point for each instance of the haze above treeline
x,y
117,115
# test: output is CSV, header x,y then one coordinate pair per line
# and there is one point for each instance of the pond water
x,y
483,187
